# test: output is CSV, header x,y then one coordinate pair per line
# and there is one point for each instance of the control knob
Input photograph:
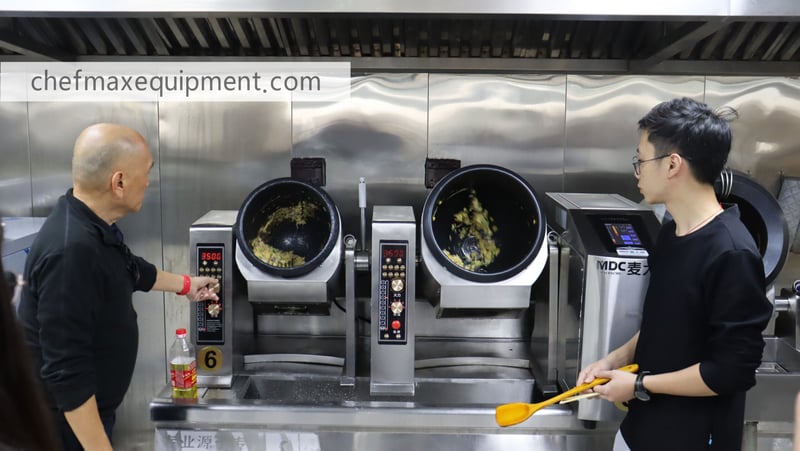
x,y
214,309
398,285
397,307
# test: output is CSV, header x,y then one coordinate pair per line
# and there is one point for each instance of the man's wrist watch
x,y
639,392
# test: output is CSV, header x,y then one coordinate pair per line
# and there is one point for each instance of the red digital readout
x,y
211,256
394,253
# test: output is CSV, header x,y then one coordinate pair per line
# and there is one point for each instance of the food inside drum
x,y
294,216
483,223
472,236
287,227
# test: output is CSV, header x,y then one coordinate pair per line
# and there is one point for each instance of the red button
x,y
395,324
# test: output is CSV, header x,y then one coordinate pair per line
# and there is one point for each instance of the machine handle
x,y
362,193
362,205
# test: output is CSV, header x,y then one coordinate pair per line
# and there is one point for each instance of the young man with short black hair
x,y
700,339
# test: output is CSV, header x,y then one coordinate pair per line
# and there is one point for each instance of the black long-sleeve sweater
x,y
76,308
705,304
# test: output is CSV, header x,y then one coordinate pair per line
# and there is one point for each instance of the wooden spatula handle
x,y
632,368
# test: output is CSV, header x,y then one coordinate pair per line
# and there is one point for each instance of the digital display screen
x,y
394,253
623,234
211,256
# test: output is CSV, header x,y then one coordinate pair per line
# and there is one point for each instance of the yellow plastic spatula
x,y
515,413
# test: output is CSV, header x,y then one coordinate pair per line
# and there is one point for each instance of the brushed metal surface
x,y
514,121
15,170
601,129
462,403
563,133
766,144
777,382
612,314
392,362
336,418
379,133
213,156
575,7
311,288
265,440
215,229
457,293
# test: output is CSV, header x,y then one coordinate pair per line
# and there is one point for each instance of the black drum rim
x,y
482,277
287,183
771,216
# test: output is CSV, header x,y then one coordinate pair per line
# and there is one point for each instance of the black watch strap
x,y
639,392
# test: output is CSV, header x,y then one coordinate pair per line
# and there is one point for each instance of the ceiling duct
x,y
713,37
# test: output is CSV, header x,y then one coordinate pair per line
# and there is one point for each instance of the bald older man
x,y
76,307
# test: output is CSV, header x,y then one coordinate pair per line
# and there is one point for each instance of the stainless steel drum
x,y
483,232
514,224
288,247
294,223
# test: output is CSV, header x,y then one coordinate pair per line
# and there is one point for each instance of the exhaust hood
x,y
709,37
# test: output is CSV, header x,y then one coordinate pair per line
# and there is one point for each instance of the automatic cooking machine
x,y
288,247
278,255
603,241
279,260
451,340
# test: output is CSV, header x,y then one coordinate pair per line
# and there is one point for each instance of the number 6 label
x,y
210,358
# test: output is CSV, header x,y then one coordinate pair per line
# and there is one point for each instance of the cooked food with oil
x,y
472,235
298,215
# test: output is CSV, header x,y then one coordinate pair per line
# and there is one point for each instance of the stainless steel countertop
x,y
314,402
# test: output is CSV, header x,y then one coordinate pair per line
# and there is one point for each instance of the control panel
x,y
626,234
392,265
210,324
392,293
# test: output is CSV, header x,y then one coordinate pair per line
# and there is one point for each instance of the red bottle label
x,y
183,375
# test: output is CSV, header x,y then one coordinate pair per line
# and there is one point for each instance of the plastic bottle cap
x,y
180,331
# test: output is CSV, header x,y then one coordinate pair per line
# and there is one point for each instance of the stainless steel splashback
x,y
601,131
560,132
514,121
15,169
380,134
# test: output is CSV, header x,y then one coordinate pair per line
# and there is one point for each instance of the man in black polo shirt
x,y
76,308
700,340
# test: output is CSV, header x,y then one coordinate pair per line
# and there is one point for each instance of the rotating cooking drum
x,y
483,242
761,214
287,227
483,223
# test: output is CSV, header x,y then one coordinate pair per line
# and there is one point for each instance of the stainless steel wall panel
x,y
601,127
379,133
212,156
766,144
512,121
51,149
562,133
15,170
765,139
54,128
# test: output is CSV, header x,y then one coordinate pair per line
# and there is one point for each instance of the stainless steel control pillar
x,y
211,254
393,260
